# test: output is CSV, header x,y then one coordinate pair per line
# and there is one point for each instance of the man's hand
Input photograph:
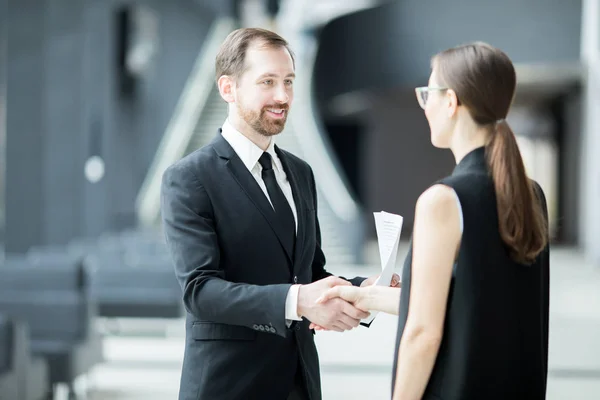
x,y
371,280
352,295
336,314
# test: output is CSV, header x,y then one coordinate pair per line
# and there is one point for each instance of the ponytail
x,y
521,218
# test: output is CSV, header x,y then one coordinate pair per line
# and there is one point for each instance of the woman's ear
x,y
452,102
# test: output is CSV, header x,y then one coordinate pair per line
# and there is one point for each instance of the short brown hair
x,y
232,55
484,80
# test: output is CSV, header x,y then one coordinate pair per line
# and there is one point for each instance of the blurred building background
x,y
98,97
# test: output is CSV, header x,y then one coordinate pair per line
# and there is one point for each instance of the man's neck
x,y
261,141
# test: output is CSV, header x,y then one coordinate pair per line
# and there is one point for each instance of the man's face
x,y
264,92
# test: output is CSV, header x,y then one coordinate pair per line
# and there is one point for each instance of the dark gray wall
x,y
569,112
220,7
391,45
3,30
400,162
26,129
64,105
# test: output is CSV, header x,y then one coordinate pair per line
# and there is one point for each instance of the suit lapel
x,y
249,185
300,209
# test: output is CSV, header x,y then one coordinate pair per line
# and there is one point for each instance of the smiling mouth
x,y
276,112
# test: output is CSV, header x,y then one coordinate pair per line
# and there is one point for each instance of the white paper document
x,y
388,227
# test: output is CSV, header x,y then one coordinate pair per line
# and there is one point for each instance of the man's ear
x,y
452,102
226,85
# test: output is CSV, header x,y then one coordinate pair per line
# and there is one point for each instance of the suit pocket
x,y
216,331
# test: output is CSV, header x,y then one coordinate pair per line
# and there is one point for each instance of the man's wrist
x,y
299,307
291,304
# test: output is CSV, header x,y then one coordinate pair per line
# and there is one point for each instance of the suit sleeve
x,y
318,264
189,228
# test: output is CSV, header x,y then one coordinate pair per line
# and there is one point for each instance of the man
x,y
241,224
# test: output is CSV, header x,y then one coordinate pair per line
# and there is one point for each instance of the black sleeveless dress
x,y
495,339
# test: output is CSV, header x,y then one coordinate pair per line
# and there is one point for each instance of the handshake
x,y
334,304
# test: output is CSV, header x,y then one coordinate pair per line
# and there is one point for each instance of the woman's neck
x,y
468,137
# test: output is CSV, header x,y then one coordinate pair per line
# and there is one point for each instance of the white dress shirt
x,y
249,153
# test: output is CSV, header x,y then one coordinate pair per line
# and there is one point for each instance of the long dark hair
x,y
484,81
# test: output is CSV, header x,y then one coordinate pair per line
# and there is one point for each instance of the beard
x,y
261,122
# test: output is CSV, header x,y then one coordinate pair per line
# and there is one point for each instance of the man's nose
x,y
281,95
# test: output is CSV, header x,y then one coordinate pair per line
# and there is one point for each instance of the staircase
x,y
211,119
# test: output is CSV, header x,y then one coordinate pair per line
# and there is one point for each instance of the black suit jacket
x,y
235,275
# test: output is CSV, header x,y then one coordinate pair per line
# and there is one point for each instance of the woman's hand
x,y
372,279
358,296
353,294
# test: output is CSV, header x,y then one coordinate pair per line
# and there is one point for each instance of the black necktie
x,y
283,211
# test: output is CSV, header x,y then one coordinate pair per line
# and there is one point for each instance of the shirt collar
x,y
246,150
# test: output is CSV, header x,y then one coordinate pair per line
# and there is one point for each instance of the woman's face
x,y
439,108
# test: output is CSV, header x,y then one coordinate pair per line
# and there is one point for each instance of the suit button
x,y
272,330
262,327
255,327
298,327
295,279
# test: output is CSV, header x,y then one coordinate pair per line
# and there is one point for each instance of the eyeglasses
x,y
423,94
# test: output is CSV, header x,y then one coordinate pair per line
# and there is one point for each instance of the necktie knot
x,y
265,161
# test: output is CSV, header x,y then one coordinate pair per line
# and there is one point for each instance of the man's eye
x,y
268,82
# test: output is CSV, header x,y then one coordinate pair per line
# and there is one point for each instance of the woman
x,y
473,308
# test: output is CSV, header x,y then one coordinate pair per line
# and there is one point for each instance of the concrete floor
x,y
357,364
